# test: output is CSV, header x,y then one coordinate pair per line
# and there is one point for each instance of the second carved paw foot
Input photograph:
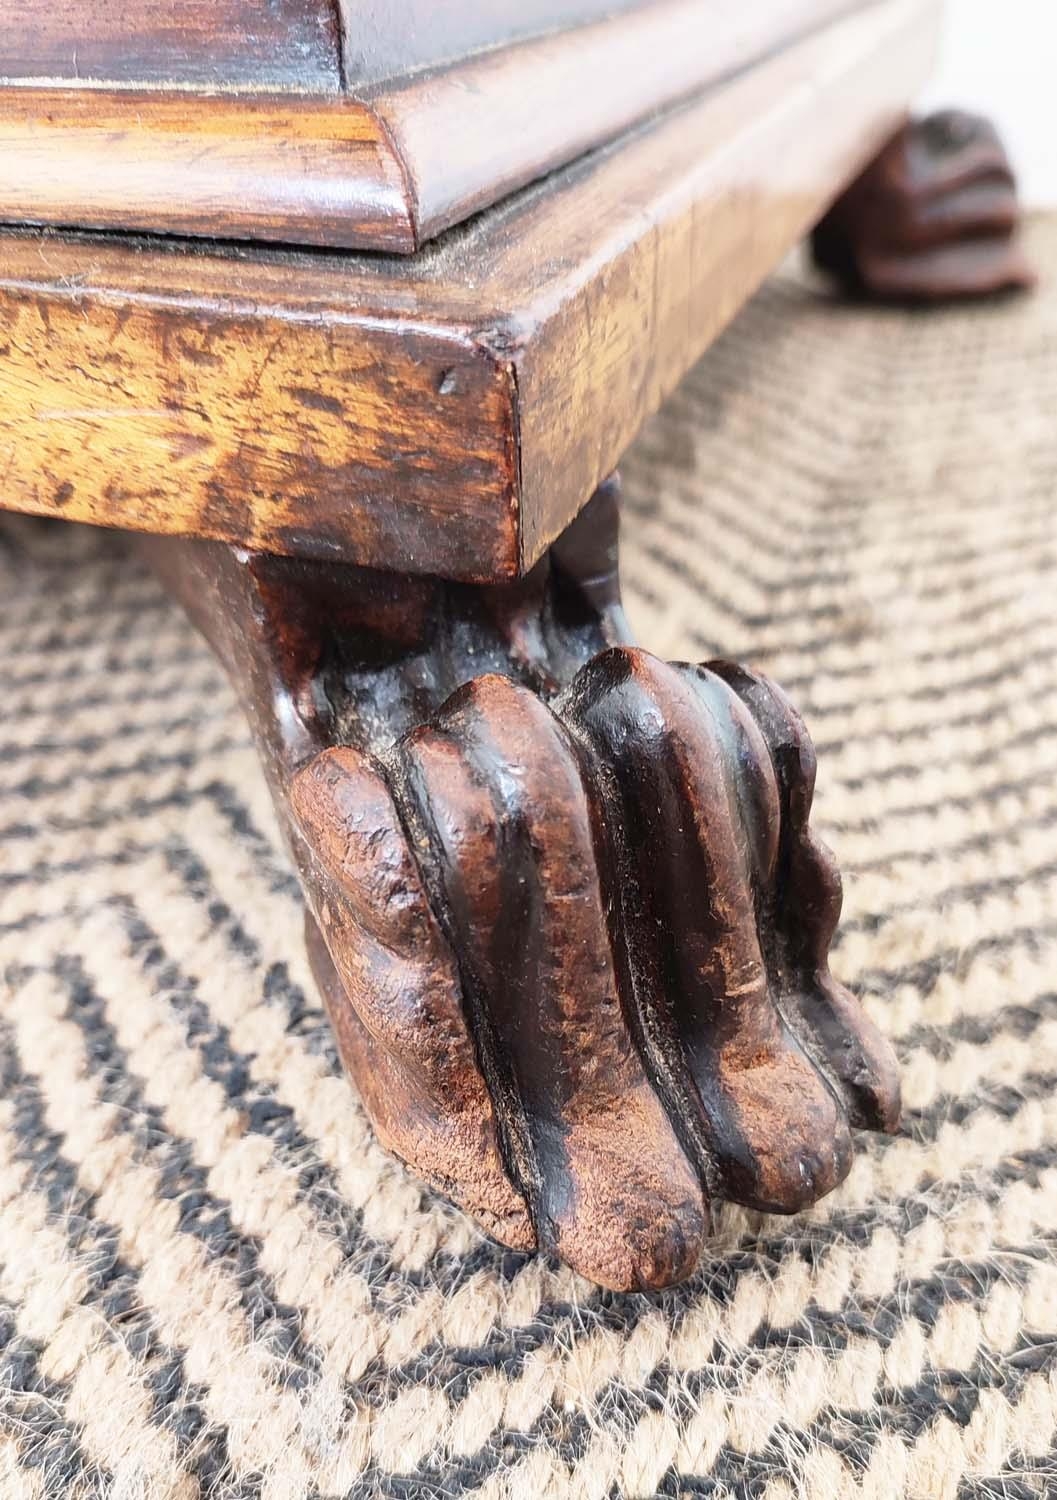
x,y
933,218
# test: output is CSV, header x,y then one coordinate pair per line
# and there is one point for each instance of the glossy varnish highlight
x,y
452,412
248,121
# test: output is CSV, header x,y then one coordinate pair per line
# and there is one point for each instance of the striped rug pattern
x,y
213,1283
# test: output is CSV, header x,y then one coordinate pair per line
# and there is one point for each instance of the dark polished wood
x,y
470,133
290,168
200,44
933,218
292,43
448,413
567,914
238,119
388,40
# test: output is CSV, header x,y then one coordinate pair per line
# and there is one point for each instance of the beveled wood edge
x,y
314,171
386,171
530,384
789,135
472,133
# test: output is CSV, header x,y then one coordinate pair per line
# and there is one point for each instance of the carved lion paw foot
x,y
575,954
934,217
566,913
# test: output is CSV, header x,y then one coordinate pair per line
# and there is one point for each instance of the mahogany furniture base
x,y
566,911
565,906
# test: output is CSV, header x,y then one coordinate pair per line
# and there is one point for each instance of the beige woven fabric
x,y
214,1283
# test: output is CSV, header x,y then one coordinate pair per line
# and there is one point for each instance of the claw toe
x,y
581,959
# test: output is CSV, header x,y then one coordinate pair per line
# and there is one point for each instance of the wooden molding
x,y
472,133
387,170
312,171
448,414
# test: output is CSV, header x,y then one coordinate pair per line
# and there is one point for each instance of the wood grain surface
x,y
383,168
200,44
468,135
281,43
449,414
299,169
294,433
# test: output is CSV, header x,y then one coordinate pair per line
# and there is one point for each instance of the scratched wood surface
x,y
201,44
236,167
446,414
284,43
264,424
239,120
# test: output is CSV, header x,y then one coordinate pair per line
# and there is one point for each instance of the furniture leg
x,y
932,218
565,909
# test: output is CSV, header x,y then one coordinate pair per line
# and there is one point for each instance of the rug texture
x,y
214,1283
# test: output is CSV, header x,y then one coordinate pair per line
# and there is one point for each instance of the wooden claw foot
x,y
933,218
568,917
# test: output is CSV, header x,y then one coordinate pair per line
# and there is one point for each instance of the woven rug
x,y
214,1283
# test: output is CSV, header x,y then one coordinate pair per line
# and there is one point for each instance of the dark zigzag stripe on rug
x,y
756,624
182,1179
1027,544
937,1112
32,1407
111,1289
208,1217
228,1067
